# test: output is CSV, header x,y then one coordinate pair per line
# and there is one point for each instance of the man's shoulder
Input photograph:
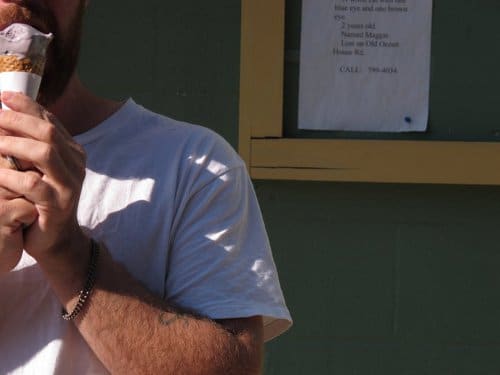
x,y
195,142
178,128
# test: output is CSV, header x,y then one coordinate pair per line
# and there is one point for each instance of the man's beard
x,y
63,50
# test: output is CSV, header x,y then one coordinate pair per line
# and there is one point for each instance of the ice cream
x,y
22,58
22,62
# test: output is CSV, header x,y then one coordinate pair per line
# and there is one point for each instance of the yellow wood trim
x,y
261,70
440,162
245,108
261,108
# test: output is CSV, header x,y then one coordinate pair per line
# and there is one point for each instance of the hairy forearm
x,y
147,339
133,332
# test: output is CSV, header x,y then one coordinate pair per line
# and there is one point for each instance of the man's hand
x,y
53,186
15,214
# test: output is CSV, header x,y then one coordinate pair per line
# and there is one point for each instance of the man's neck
x,y
80,110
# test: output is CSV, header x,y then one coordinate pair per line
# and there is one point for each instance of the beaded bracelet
x,y
89,283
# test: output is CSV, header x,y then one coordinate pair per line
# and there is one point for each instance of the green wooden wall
x,y
380,278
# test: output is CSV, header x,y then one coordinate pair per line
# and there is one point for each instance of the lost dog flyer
x,y
365,65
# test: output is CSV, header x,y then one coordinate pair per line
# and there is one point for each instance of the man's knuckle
x,y
49,133
32,181
47,153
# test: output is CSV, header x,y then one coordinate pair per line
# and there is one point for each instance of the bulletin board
x,y
460,145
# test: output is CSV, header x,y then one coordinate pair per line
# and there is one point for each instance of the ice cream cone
x,y
22,60
11,63
22,63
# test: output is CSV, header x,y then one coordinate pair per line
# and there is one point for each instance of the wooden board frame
x,y
271,156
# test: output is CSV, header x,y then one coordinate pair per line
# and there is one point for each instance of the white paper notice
x,y
365,65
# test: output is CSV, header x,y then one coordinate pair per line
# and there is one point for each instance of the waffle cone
x,y
11,63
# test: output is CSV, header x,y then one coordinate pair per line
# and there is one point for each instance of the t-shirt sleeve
x,y
220,262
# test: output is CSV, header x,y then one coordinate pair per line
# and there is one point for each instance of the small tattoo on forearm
x,y
167,319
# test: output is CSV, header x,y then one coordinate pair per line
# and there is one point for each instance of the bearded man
x,y
129,242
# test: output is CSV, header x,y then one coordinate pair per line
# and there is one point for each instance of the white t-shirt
x,y
174,204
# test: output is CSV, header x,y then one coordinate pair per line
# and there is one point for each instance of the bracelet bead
x,y
89,283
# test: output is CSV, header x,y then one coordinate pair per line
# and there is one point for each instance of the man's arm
x,y
132,331
129,329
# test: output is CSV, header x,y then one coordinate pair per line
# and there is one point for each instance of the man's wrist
x,y
9,258
66,267
90,280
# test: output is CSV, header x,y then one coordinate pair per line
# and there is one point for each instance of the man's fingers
x,y
42,155
15,215
25,125
16,212
28,118
18,101
8,194
28,184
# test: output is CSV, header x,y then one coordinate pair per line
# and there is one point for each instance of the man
x,y
143,230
